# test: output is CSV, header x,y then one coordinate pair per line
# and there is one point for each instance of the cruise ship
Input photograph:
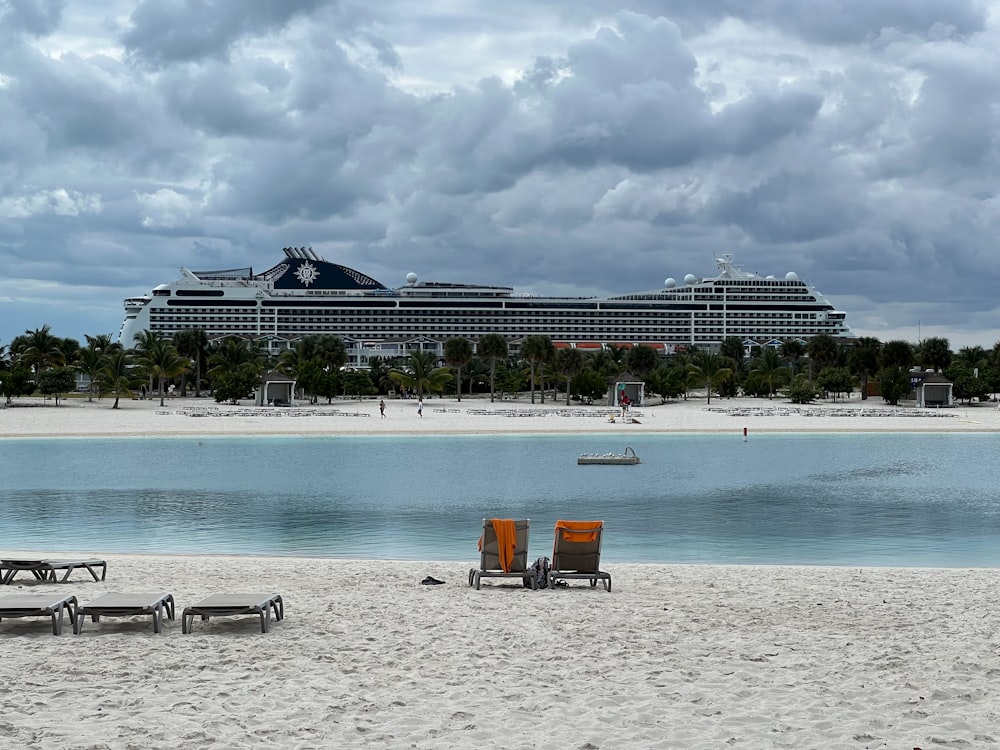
x,y
304,294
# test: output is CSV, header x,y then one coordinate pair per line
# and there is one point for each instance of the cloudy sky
x,y
583,147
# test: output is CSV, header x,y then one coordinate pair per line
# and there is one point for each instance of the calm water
x,y
872,499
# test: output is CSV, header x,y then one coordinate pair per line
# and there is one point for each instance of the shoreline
x,y
686,656
29,418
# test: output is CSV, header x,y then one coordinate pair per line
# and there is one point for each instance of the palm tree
x,y
421,373
823,352
161,360
934,353
119,375
458,353
331,351
792,351
896,354
536,350
102,342
769,366
493,348
863,361
569,363
709,371
642,360
236,365
192,343
37,349
90,362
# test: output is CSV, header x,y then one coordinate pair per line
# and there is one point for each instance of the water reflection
x,y
841,499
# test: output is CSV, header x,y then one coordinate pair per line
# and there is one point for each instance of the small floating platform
x,y
628,458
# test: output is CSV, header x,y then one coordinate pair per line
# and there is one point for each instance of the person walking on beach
x,y
420,406
381,407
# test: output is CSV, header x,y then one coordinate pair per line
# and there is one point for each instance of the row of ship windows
x,y
653,332
526,320
209,312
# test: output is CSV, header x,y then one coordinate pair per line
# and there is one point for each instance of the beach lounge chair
x,y
46,570
576,553
236,604
39,605
503,549
126,605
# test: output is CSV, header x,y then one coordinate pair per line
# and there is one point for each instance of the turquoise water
x,y
866,499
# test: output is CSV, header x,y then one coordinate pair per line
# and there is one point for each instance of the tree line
x,y
231,368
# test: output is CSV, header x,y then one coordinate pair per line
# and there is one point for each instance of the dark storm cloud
x,y
31,17
584,147
163,33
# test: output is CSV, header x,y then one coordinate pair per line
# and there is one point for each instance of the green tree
x,y
536,351
836,380
90,362
642,360
863,360
119,375
159,358
357,383
458,353
709,370
421,374
896,354
17,381
893,383
54,381
934,353
771,369
732,348
37,350
493,348
569,363
235,367
590,385
823,352
193,344
801,390
668,382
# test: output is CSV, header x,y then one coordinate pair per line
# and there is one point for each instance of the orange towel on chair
x,y
506,533
576,526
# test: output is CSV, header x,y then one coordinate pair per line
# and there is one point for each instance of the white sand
x,y
674,657
31,417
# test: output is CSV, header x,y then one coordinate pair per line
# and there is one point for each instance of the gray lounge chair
x,y
126,605
236,604
39,605
45,570
576,553
489,556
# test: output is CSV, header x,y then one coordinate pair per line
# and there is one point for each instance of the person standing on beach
x,y
420,406
381,407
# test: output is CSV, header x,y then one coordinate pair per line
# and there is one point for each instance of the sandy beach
x,y
190,416
674,657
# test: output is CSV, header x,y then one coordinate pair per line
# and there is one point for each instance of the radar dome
x,y
791,276
669,283
411,279
690,279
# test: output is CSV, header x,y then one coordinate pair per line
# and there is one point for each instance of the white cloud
x,y
57,202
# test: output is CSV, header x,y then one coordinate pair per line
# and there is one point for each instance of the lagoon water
x,y
866,499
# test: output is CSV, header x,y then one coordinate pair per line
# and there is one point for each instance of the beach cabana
x,y
629,385
934,390
275,389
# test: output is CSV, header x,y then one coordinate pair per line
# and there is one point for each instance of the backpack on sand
x,y
539,570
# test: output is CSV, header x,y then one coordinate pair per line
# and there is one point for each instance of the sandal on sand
x,y
429,581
